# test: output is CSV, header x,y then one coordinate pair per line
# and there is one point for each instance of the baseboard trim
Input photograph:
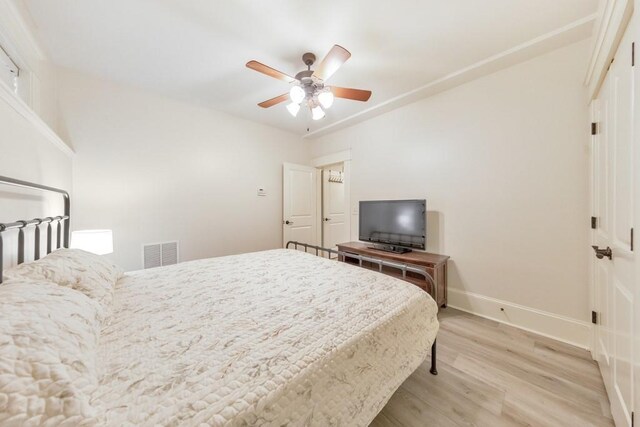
x,y
551,325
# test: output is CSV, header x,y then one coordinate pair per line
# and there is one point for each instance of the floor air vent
x,y
159,254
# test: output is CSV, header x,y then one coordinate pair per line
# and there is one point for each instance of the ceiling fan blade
x,y
271,72
348,93
274,101
330,64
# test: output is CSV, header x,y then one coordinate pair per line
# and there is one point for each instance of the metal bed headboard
x,y
61,221
381,263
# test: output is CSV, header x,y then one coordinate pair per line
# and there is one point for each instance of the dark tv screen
x,y
394,222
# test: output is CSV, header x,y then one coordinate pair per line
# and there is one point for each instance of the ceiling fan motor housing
x,y
304,75
308,82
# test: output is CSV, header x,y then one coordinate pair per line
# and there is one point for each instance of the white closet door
x,y
614,206
635,25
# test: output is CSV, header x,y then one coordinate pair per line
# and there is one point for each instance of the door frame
x,y
611,22
343,157
592,211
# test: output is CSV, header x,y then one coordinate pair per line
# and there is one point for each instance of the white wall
x,y
503,164
29,148
28,155
154,169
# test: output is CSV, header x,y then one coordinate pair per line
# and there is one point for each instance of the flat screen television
x,y
394,225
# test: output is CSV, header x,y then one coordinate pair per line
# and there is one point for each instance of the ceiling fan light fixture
x,y
317,113
297,94
326,99
293,108
307,89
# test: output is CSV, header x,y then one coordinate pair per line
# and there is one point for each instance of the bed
x,y
279,337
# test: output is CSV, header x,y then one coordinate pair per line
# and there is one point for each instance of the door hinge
x,y
631,244
594,317
594,128
594,222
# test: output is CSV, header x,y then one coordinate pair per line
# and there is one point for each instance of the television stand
x,y
434,264
390,248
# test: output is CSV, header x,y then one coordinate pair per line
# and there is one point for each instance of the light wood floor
x,y
495,375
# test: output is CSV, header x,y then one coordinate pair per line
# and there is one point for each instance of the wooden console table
x,y
434,264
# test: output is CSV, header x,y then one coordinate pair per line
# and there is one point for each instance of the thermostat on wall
x,y
262,192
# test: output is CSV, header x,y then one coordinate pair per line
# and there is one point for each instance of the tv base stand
x,y
434,264
390,248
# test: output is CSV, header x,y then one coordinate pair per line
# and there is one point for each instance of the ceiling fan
x,y
308,86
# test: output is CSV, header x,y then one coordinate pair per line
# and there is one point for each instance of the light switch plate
x,y
262,192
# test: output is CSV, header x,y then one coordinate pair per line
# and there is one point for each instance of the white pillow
x,y
48,340
91,274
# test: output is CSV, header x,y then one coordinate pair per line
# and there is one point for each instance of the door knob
x,y
288,222
327,219
601,253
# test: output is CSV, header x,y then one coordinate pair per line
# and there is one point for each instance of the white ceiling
x,y
196,50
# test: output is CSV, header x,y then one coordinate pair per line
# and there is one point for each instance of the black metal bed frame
x,y
62,220
381,263
65,220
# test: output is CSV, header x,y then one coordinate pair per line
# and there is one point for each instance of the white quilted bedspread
x,y
269,338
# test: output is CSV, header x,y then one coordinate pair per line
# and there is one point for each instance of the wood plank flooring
x,y
495,375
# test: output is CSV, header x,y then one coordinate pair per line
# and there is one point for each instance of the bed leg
x,y
433,369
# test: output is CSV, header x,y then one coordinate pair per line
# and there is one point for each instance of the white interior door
x,y
613,204
635,25
601,235
334,211
300,218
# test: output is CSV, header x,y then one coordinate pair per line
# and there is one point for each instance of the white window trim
x,y
18,42
8,96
